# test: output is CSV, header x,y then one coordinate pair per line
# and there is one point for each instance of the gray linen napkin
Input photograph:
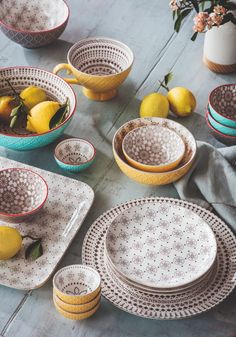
x,y
212,181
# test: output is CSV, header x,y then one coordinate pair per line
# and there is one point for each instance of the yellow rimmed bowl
x,y
76,316
153,148
77,284
155,178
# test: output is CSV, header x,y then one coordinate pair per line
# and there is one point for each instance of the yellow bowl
x,y
77,284
77,308
154,178
76,316
99,64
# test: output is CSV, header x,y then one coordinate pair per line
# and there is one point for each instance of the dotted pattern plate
x,y
57,223
164,306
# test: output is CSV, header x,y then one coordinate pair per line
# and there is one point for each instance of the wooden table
x,y
147,27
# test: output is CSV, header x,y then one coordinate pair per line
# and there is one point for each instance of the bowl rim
x,y
210,100
10,27
153,165
96,298
15,215
154,173
125,46
214,130
72,139
218,123
73,108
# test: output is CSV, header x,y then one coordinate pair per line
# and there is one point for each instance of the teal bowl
x,y
222,104
74,154
219,127
56,89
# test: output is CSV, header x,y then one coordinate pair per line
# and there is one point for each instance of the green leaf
x,y
193,38
178,23
167,78
185,13
15,111
34,250
13,122
195,5
60,115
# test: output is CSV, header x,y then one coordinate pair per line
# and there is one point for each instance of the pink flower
x,y
216,19
201,21
173,5
220,10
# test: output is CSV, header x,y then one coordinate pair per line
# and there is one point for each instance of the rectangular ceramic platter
x,y
57,223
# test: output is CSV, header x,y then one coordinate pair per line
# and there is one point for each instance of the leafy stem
x,y
164,83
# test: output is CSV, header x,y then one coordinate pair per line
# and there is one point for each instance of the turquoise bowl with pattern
x,y
226,130
56,89
74,154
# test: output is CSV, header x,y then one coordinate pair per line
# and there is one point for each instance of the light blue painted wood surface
x,y
148,29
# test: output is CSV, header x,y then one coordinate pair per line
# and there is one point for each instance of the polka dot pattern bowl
x,y
153,148
22,194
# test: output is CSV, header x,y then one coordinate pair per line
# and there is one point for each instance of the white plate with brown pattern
x,y
58,222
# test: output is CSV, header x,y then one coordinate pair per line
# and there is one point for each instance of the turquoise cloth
x,y
211,182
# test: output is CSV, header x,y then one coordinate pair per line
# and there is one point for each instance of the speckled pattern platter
x,y
164,306
67,205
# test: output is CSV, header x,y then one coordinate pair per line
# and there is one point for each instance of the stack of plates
x,y
162,258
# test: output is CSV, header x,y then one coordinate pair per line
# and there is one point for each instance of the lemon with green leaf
x,y
32,96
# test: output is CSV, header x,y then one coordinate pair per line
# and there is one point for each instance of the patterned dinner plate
x,y
163,306
160,245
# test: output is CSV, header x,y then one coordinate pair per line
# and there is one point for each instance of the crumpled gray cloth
x,y
211,181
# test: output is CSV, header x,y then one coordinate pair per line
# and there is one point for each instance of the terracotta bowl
x,y
154,178
77,284
153,148
22,194
33,23
56,89
222,105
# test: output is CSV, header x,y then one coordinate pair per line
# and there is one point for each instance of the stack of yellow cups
x,y
77,291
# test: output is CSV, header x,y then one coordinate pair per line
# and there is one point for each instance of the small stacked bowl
x,y
154,151
221,113
77,291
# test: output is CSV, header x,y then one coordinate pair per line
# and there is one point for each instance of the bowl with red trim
x,y
56,90
33,23
23,193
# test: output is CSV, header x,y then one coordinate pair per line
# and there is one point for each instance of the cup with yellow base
x,y
99,64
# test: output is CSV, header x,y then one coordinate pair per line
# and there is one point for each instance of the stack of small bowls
x,y
154,151
77,291
221,113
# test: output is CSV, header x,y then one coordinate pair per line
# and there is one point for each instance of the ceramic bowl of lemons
x,y
43,95
33,23
154,178
76,284
153,148
23,193
99,64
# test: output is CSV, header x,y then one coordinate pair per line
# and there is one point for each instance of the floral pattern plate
x,y
63,214
160,245
164,306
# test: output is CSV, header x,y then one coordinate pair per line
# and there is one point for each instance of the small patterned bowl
x,y
33,23
77,284
74,154
222,104
155,178
76,316
56,89
153,148
226,130
22,194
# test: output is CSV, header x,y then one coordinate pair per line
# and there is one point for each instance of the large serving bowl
x,y
22,194
33,23
155,178
56,89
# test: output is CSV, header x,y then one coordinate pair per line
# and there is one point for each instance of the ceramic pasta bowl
x,y
153,148
33,23
22,194
56,89
74,154
99,64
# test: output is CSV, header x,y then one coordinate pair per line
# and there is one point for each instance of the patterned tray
x,y
67,205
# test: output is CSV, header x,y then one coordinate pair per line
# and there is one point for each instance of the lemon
x,y
10,242
32,96
182,101
154,105
40,116
7,103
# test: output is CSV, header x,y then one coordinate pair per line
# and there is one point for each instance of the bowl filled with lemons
x,y
35,107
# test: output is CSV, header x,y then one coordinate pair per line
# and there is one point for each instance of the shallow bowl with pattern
x,y
56,89
33,23
74,154
153,148
23,193
77,284
154,178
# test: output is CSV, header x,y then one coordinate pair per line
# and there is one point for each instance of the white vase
x,y
220,48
